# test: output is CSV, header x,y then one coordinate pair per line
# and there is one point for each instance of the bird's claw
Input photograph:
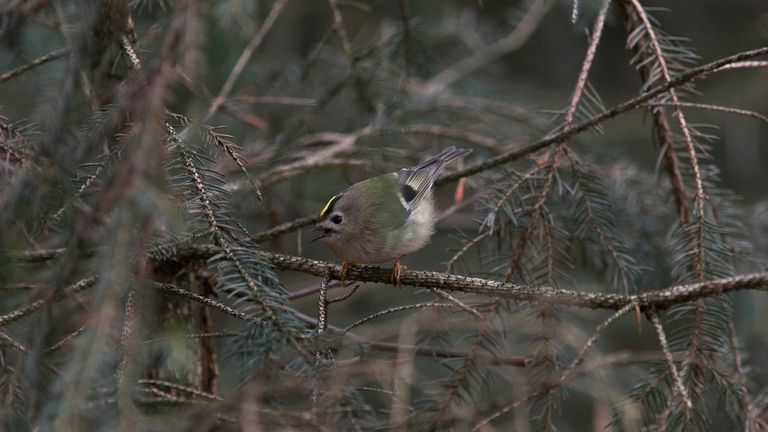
x,y
343,272
397,272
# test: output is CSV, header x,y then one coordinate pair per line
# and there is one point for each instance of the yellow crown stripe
x,y
328,205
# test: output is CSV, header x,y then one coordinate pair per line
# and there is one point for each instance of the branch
x,y
557,138
679,386
377,345
37,304
277,7
445,353
720,108
503,46
37,62
660,299
569,371
633,103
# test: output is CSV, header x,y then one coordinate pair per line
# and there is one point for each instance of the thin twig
x,y
304,292
435,352
456,302
343,297
64,340
34,306
396,309
670,360
202,300
425,351
37,62
748,113
503,46
692,153
127,331
581,82
277,100
740,374
221,334
338,26
237,70
569,371
180,387
743,65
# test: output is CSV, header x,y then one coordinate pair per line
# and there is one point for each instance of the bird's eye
x,y
336,219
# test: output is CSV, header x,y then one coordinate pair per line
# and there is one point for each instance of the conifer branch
x,y
660,299
676,376
513,155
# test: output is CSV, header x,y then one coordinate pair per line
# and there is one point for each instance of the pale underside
x,y
410,237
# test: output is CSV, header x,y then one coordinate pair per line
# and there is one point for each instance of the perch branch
x,y
659,299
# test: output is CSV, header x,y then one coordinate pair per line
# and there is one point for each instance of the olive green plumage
x,y
385,217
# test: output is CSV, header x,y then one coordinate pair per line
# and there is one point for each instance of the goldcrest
x,y
386,217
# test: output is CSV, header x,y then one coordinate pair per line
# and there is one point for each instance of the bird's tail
x,y
437,162
420,178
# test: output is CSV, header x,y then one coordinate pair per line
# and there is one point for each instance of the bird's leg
x,y
343,273
397,271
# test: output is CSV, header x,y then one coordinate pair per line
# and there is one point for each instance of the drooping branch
x,y
661,124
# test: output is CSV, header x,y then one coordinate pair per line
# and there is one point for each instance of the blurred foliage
x,y
134,132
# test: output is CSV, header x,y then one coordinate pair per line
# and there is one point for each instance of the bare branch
x,y
37,62
237,70
503,46
557,138
396,309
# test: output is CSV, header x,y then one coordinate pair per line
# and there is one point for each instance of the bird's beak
x,y
322,233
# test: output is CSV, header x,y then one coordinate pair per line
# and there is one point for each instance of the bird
x,y
386,217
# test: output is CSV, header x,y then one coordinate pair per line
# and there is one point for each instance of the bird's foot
x,y
343,273
397,271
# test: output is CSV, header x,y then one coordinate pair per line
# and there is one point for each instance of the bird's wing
x,y
416,182
384,201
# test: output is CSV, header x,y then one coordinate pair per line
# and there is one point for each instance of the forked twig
x,y
670,360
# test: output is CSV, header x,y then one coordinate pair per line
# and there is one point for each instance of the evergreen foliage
x,y
160,162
